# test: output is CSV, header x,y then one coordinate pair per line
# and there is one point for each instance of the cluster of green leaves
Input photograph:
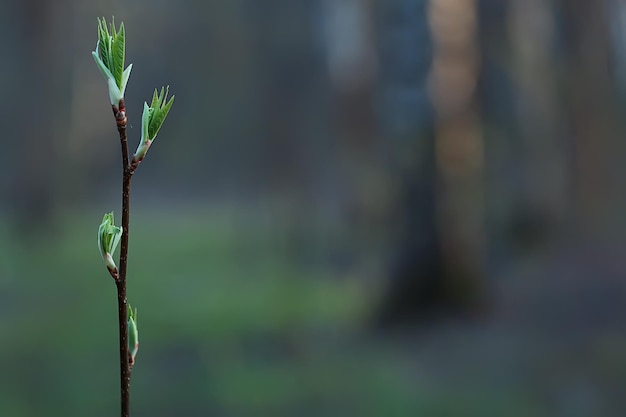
x,y
109,56
111,49
151,120
155,114
108,238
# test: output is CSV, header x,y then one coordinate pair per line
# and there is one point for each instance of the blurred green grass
x,y
232,323
225,317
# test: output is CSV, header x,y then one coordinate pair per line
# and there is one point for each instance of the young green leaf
x,y
104,43
117,54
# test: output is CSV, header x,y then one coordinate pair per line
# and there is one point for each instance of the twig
x,y
120,283
109,57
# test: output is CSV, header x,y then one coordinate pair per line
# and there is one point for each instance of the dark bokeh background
x,y
355,208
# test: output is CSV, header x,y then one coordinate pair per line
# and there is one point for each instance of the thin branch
x,y
125,370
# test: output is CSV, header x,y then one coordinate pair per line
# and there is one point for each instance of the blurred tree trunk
x,y
439,265
541,198
591,110
352,66
454,80
42,109
286,72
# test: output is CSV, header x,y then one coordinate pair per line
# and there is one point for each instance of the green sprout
x,y
108,237
109,56
133,334
152,119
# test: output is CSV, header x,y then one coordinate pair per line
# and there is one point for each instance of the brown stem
x,y
120,117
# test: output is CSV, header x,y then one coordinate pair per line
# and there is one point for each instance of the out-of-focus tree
x,y
352,68
459,148
439,262
540,200
591,110
40,110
